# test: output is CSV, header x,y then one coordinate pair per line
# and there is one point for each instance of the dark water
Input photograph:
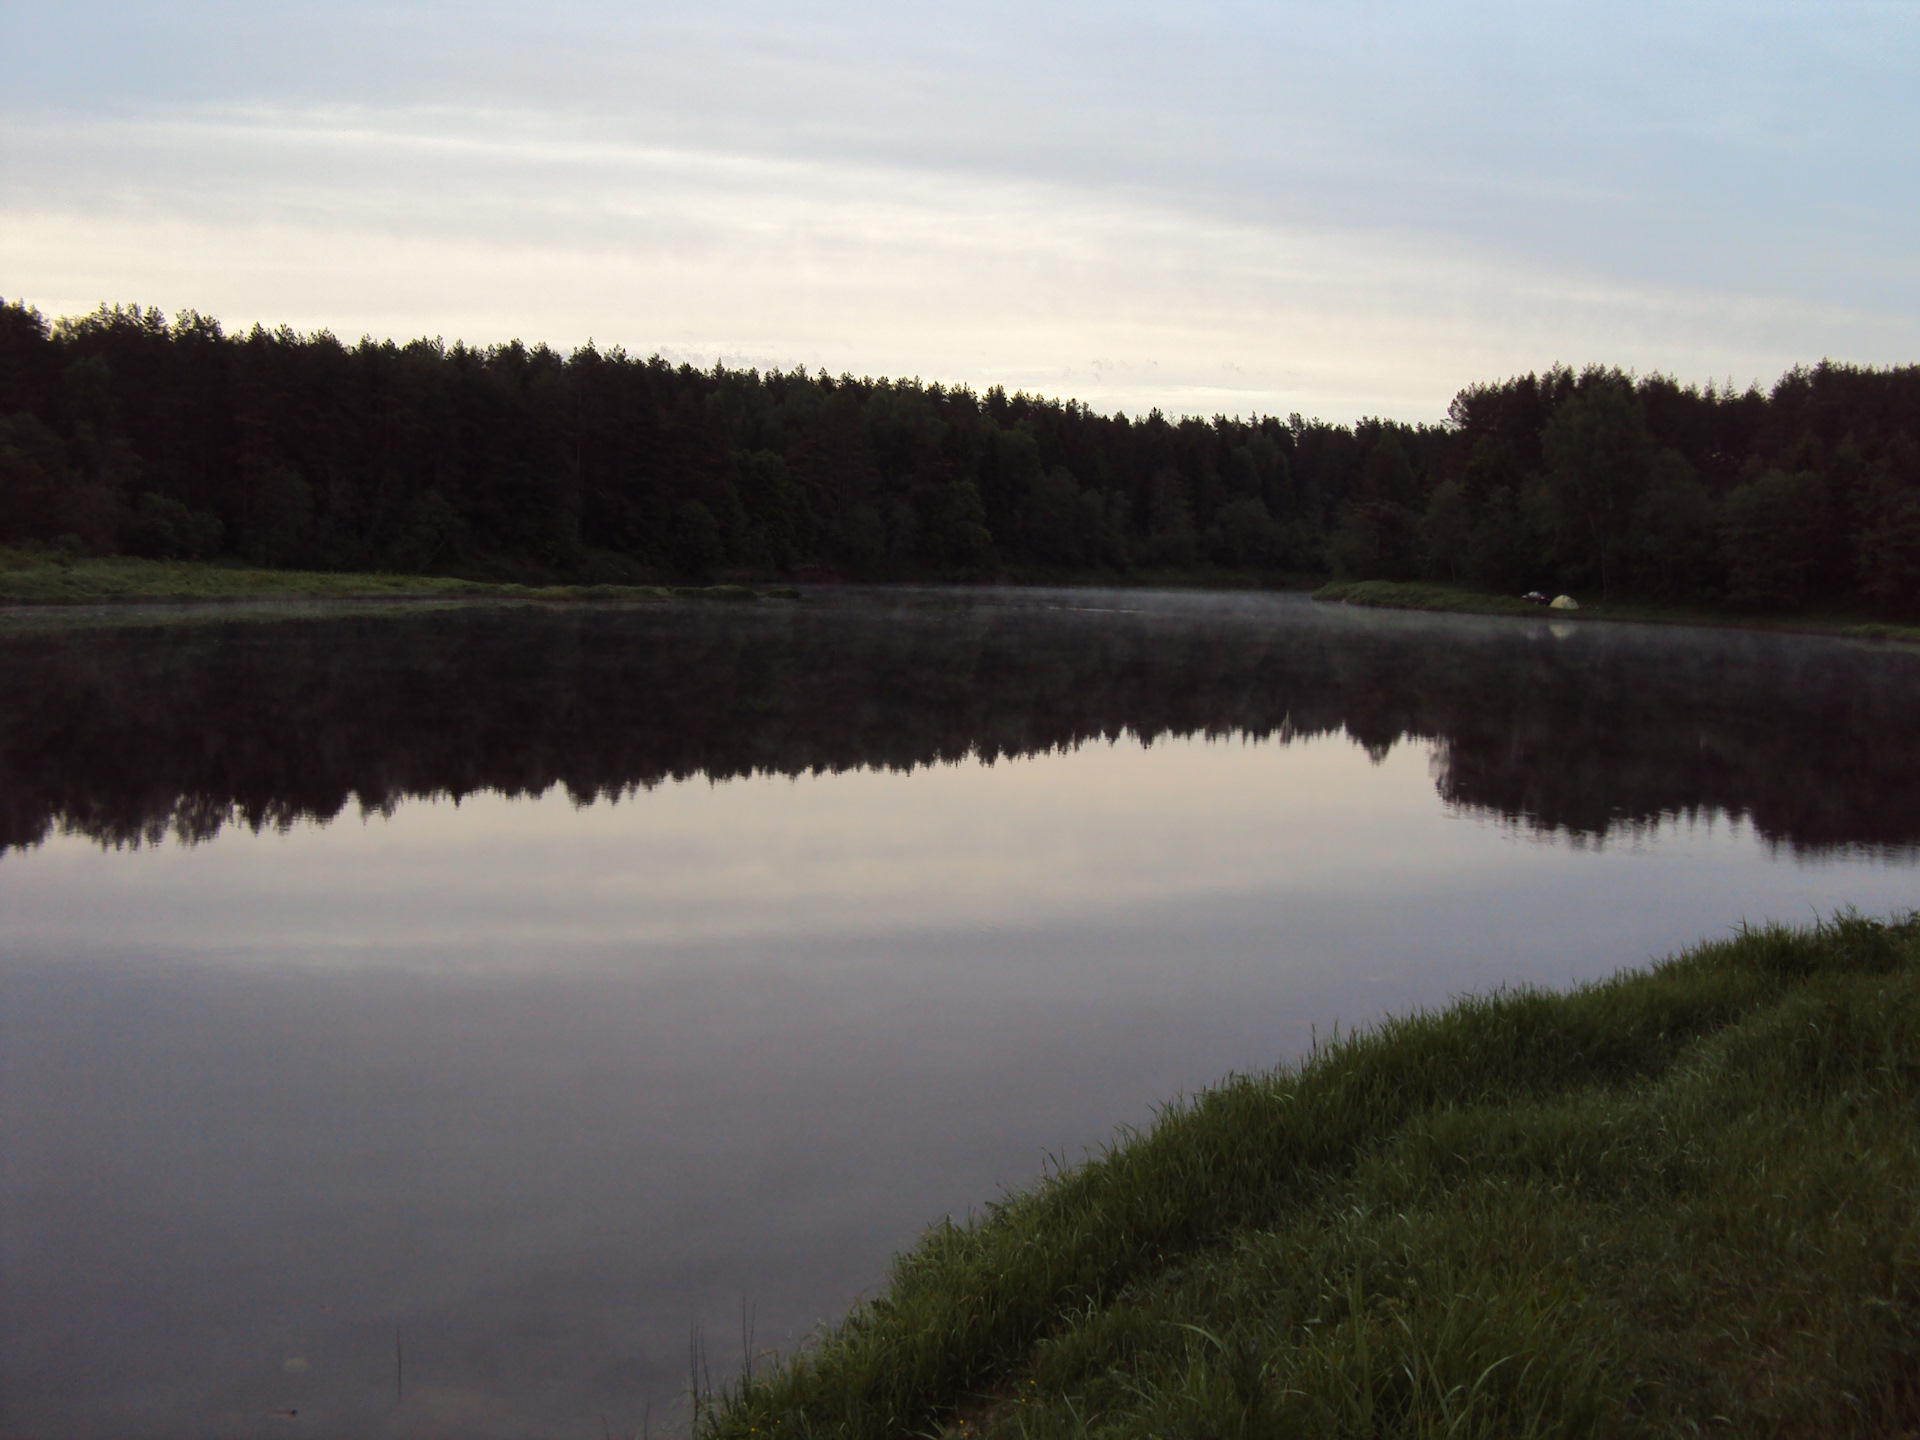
x,y
541,985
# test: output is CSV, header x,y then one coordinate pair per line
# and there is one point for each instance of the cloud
x,y
1229,206
491,225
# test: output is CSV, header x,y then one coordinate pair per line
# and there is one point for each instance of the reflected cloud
x,y
537,983
1102,832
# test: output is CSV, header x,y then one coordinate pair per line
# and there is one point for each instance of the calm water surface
x,y
542,985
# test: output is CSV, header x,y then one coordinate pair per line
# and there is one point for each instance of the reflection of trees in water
x,y
133,736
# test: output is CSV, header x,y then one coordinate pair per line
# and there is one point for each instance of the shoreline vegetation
x,y
1457,600
36,578
127,433
33,578
1682,1198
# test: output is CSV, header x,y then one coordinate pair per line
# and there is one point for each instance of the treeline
x,y
181,731
124,432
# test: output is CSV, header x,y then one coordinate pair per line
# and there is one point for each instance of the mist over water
x,y
541,984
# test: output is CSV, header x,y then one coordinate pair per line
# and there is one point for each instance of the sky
x,y
1340,210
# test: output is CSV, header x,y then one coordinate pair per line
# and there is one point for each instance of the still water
x,y
537,989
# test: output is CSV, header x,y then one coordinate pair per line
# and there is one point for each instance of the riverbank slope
x,y
1681,1198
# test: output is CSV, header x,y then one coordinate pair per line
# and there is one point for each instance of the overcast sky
x,y
1210,207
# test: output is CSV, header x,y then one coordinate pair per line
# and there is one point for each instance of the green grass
x,y
1418,595
1422,595
39,578
1684,1200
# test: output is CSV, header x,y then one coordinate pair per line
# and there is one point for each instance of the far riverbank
x,y
35,578
41,578
1452,599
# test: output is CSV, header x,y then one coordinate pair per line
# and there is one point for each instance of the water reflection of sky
x,y
542,1085
1108,833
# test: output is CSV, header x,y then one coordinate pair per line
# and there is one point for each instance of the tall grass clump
x,y
1678,1200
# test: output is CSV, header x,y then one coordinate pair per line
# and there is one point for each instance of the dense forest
x,y
127,432
142,734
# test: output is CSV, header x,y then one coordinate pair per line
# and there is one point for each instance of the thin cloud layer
x,y
1229,208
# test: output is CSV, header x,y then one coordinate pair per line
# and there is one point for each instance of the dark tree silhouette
x,y
124,431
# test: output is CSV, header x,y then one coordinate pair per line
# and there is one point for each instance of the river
x,y
448,1019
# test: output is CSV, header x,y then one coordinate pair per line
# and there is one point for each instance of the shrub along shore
x,y
1683,1199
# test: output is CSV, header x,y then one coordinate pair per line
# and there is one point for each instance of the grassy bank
x,y
42,578
1420,595
1684,1200
46,577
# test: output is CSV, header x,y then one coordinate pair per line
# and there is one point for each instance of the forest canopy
x,y
126,432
